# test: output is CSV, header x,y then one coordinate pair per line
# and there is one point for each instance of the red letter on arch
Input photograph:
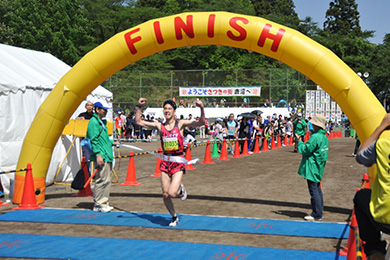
x,y
187,28
210,26
130,42
234,25
157,32
276,38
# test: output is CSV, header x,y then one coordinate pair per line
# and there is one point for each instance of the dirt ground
x,y
264,185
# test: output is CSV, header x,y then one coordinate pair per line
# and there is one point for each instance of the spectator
x,y
244,132
357,145
314,157
232,127
129,126
299,130
88,113
118,125
123,117
372,206
218,132
289,128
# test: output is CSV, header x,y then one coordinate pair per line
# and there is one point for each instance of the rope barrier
x,y
17,170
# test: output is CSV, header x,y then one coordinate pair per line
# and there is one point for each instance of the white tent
x,y
26,79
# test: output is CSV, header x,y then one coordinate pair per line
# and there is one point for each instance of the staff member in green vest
x,y
372,207
102,155
314,156
299,125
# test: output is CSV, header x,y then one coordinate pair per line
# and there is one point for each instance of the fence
x,y
276,84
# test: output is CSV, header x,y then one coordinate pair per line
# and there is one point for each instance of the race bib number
x,y
171,144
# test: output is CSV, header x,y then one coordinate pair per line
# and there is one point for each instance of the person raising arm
x,y
172,143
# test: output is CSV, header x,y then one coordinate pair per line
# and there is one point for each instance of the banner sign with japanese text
x,y
219,91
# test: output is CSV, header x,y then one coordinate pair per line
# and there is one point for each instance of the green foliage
x,y
54,26
68,29
342,18
379,80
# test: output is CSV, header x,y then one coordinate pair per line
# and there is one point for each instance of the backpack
x,y
78,181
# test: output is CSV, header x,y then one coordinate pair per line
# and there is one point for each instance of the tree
x,y
54,26
342,18
278,7
379,80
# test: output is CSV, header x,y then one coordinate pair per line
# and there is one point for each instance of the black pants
x,y
357,145
369,229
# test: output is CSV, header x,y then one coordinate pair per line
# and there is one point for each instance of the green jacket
x,y
314,156
299,128
100,140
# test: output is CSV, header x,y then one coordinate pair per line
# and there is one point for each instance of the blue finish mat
x,y
188,222
63,247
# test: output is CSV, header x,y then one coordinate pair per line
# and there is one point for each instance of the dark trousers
x,y
316,199
357,145
369,229
296,141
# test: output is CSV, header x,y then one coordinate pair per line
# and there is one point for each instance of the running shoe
x,y
183,192
311,218
103,209
174,222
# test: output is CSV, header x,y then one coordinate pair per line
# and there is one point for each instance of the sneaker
x,y
232,152
1,194
311,218
183,192
174,222
354,155
104,209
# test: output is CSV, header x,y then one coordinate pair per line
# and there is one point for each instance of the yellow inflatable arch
x,y
187,29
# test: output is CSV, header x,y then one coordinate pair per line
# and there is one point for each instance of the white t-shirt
x,y
187,139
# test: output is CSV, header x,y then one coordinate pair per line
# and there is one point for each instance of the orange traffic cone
x,y
291,142
285,141
279,145
188,158
86,192
256,149
29,201
273,143
3,204
131,179
305,138
157,171
265,145
237,150
245,148
351,244
207,156
223,156
365,182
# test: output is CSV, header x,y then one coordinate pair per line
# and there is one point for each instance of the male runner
x,y
171,135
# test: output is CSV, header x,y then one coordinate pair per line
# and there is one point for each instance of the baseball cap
x,y
100,105
218,119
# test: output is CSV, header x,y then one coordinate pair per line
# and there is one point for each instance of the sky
x,y
374,15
